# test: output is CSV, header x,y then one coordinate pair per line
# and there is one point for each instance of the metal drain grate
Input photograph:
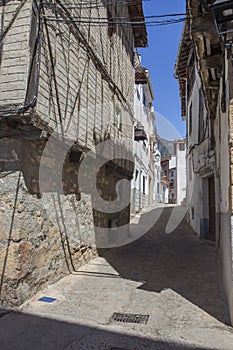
x,y
130,318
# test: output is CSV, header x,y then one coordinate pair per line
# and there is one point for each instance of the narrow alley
x,y
172,278
116,175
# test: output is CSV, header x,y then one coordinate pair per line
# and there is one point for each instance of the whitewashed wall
x,y
180,174
141,154
196,198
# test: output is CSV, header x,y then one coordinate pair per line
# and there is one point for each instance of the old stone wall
x,y
85,94
41,239
48,226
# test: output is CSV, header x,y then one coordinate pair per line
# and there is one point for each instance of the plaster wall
x,y
180,174
165,194
172,162
225,161
140,183
195,160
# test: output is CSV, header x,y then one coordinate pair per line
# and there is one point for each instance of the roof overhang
x,y
140,74
139,28
181,67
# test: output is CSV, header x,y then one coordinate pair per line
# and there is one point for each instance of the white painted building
x,y
204,69
144,185
158,189
172,180
165,192
174,173
180,173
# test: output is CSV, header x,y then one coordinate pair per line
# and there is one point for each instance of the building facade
x,y
204,71
144,147
156,161
66,86
172,177
181,174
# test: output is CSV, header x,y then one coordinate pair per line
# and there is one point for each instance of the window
x,y
118,118
193,217
158,187
143,185
74,156
190,118
201,132
181,146
172,173
144,97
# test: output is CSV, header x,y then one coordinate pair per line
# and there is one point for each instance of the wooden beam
x,y
203,24
212,85
211,62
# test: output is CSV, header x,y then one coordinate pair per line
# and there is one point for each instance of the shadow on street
x,y
37,333
179,261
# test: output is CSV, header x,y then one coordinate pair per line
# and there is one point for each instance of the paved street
x,y
170,277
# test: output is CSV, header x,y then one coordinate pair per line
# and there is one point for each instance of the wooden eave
x,y
142,77
182,65
140,74
209,54
139,29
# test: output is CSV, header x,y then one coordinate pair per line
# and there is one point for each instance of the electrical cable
x,y
102,23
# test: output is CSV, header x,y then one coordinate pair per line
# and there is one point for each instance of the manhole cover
x,y
130,318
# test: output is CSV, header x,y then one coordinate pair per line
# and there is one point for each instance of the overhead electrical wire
x,y
135,17
162,19
114,23
152,20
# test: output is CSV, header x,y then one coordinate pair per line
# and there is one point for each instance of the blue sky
x,y
160,59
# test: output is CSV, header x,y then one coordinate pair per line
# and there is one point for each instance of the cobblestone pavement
x,y
173,278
